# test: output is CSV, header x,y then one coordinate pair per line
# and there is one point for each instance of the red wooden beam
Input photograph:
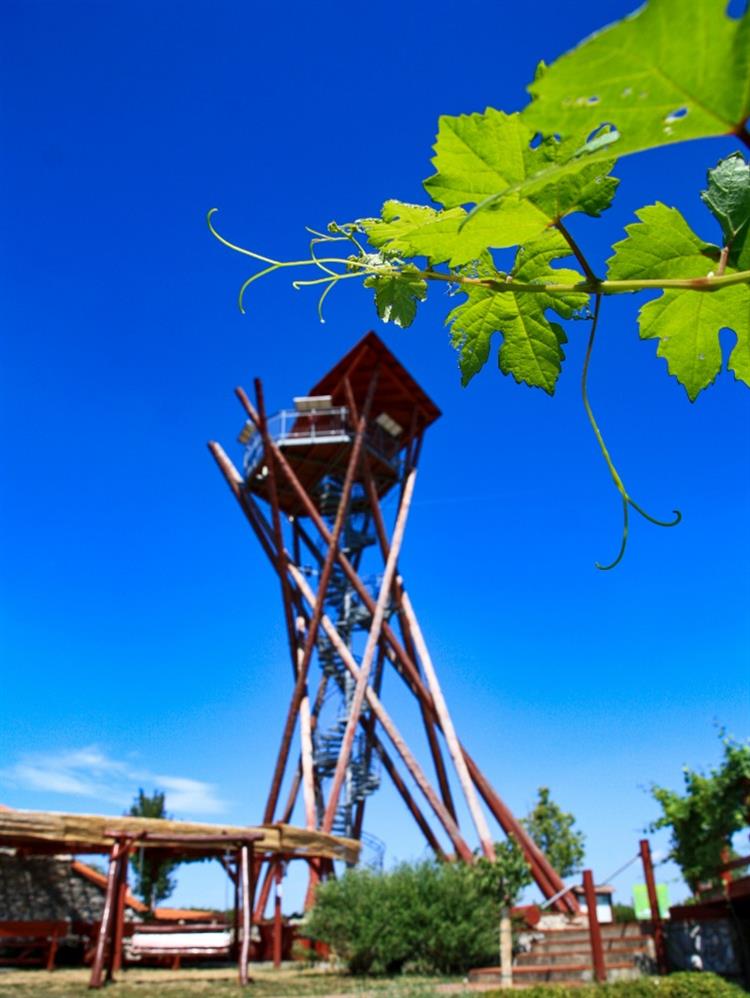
x,y
595,934
119,919
277,923
653,901
104,939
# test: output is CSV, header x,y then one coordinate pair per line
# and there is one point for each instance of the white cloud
x,y
90,772
190,796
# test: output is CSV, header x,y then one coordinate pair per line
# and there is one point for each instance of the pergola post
x,y
277,922
104,941
119,914
244,863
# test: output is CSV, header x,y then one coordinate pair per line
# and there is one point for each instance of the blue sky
x,y
142,638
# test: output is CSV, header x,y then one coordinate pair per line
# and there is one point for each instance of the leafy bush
x,y
704,819
683,985
426,917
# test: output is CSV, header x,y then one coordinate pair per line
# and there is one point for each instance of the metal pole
x,y
595,934
653,900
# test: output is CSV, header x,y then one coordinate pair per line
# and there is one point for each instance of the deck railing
x,y
290,428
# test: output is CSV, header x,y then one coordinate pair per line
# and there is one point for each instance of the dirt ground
x,y
187,983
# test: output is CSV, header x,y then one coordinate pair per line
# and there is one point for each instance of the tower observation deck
x,y
317,433
326,484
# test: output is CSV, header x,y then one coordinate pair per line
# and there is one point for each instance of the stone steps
x,y
629,944
544,973
578,955
564,955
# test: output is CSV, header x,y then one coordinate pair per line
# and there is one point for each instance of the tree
x,y
552,830
504,877
509,182
153,879
703,820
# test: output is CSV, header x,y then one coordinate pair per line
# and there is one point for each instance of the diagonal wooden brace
x,y
543,872
373,638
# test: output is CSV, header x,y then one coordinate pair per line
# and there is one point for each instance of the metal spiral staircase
x,y
344,606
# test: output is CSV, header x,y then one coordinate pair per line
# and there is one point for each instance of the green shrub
x,y
682,985
427,917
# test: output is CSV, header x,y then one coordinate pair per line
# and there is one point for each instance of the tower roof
x,y
397,393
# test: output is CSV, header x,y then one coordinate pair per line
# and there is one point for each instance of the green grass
x,y
293,982
190,983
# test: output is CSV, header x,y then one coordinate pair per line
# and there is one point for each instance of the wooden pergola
x,y
239,849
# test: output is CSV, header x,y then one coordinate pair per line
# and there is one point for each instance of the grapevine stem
x,y
577,253
723,260
499,285
619,484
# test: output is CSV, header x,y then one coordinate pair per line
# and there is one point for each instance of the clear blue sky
x,y
141,631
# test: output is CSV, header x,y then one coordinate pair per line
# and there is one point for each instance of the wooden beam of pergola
x,y
51,831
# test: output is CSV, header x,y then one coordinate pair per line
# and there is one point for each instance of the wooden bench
x,y
209,940
36,942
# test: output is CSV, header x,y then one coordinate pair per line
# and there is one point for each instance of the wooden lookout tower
x,y
312,485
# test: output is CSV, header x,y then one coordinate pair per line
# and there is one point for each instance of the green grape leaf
x,y
397,294
532,345
477,155
661,244
670,72
687,325
418,230
483,156
728,198
414,230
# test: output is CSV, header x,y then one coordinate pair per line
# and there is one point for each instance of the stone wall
x,y
46,888
704,945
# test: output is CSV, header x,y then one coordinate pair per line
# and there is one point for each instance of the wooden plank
x,y
40,830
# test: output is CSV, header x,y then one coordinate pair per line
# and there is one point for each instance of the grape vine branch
x,y
506,181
